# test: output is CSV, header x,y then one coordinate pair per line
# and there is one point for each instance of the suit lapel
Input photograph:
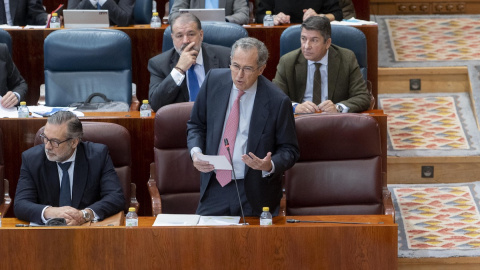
x,y
301,77
333,67
13,9
49,172
80,174
210,60
259,117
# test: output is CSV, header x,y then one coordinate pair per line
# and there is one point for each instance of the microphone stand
x,y
227,145
318,221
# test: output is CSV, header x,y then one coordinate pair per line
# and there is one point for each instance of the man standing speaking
x,y
256,117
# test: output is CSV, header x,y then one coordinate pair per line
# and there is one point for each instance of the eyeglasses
x,y
53,142
246,70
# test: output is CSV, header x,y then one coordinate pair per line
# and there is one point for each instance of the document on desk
x,y
220,162
219,220
8,113
176,220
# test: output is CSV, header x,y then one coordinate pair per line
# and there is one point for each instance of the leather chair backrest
x,y
117,139
216,33
339,170
177,180
79,62
344,36
142,12
2,169
6,38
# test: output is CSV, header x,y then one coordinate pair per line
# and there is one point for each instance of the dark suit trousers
x,y
223,201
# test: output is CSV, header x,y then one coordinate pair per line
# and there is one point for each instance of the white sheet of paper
x,y
220,162
8,113
219,220
176,220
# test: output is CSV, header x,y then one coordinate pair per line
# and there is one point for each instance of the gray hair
x,y
185,18
249,43
74,126
320,24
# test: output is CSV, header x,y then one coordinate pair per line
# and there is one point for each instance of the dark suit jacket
x,y
272,129
25,12
345,81
10,78
236,11
95,183
120,12
295,8
163,90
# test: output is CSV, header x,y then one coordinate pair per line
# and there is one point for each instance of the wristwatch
x,y
339,108
86,215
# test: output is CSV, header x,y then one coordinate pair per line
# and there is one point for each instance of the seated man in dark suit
x,y
289,11
321,76
120,12
184,65
236,11
13,87
67,178
23,12
241,105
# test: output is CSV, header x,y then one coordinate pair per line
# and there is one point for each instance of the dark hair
x,y
186,17
74,126
249,43
320,24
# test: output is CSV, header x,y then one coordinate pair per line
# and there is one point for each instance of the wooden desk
x,y
281,246
19,135
146,43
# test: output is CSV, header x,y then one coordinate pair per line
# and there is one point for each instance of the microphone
x,y
318,221
227,145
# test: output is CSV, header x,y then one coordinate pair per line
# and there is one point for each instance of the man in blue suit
x,y
67,178
256,117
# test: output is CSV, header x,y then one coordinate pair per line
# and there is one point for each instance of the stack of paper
x,y
193,220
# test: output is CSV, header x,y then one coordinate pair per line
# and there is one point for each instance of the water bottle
x,y
0,219
23,111
268,19
145,109
266,217
131,219
155,21
55,21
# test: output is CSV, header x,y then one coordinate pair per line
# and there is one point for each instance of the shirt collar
x,y
323,61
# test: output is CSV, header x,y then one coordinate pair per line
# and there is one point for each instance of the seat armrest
x,y
133,197
7,200
154,194
389,209
135,106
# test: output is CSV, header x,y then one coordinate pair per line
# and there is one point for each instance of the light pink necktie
x,y
225,176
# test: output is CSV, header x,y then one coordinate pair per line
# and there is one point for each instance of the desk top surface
x,y
366,220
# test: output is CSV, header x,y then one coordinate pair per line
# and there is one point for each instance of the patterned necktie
x,y
65,197
317,85
225,176
192,83
3,15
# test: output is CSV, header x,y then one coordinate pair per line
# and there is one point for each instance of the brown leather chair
x,y
5,200
174,183
117,138
340,167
